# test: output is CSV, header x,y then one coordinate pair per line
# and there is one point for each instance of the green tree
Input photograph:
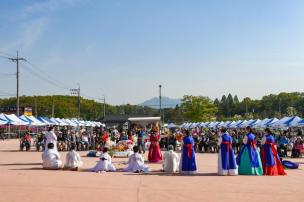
x,y
198,108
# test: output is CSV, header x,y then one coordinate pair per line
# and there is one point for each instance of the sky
x,y
123,49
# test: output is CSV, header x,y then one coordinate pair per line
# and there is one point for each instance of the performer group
x,y
250,161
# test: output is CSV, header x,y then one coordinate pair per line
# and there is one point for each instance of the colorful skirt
x,y
245,167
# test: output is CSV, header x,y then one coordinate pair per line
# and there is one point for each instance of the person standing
x,y
226,160
51,137
188,162
140,141
249,160
272,164
155,154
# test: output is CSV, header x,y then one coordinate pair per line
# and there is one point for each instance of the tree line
x,y
192,108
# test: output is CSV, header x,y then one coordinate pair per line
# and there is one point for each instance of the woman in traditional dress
x,y
155,154
249,160
188,163
272,164
226,160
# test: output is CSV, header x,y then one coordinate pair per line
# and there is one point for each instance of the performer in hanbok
x,y
105,163
136,162
73,159
171,160
249,160
155,154
51,137
272,164
51,158
188,163
226,160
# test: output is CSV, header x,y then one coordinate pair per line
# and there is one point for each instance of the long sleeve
x,y
219,141
263,141
245,140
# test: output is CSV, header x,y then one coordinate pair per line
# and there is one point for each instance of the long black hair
x,y
249,129
267,130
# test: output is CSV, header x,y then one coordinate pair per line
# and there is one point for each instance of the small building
x,y
126,121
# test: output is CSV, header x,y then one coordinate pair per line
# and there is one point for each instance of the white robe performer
x,y
136,163
104,164
51,159
73,160
51,138
171,162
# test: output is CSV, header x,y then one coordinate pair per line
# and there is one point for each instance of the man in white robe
x,y
51,158
73,159
105,163
136,162
171,160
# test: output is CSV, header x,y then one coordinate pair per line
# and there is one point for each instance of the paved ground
x,y
22,179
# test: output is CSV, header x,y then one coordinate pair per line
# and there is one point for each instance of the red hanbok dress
x,y
272,164
155,154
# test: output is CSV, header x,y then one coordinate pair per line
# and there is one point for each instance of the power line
x,y
43,78
42,72
8,55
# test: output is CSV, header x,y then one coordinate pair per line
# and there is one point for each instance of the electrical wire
x,y
42,72
43,78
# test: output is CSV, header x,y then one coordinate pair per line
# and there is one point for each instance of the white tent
x,y
262,123
280,123
293,122
14,120
32,120
3,122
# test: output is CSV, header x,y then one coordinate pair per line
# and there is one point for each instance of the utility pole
x,y
17,59
160,104
76,91
280,111
103,99
36,111
104,106
53,108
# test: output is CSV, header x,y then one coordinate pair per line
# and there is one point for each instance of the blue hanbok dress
x,y
188,163
226,161
249,160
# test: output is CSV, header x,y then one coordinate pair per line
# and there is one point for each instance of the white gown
x,y
104,164
73,160
51,138
136,163
220,169
171,162
51,159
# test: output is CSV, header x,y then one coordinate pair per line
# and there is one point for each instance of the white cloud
x,y
30,32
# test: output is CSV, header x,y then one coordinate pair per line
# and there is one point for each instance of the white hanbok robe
x,y
136,163
73,160
104,164
51,159
171,162
51,138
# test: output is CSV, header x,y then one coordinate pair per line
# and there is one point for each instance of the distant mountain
x,y
166,102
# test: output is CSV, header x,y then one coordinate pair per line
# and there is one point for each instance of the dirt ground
x,y
22,179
